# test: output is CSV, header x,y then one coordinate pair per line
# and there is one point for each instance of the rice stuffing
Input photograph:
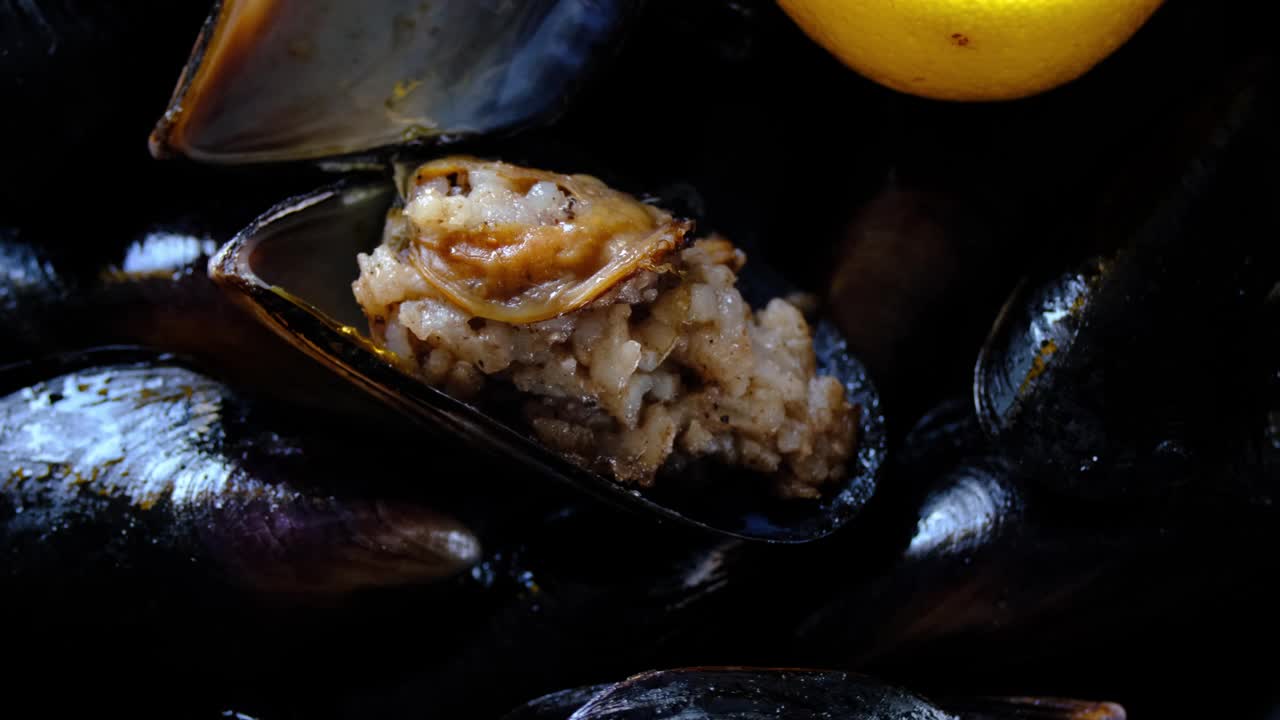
x,y
633,350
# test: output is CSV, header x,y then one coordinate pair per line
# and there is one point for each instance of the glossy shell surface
x,y
274,80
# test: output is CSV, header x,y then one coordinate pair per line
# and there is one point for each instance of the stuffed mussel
x,y
548,317
633,344
601,384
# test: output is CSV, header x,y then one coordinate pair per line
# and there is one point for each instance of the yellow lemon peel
x,y
971,49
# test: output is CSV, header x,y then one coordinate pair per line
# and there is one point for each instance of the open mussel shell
x,y
294,267
276,80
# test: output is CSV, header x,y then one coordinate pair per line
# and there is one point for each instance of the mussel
x,y
415,84
146,509
1135,372
541,610
284,80
153,291
733,693
121,463
294,268
996,585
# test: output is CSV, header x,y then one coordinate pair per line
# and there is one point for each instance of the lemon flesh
x,y
970,49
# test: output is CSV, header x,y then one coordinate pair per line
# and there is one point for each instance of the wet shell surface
x,y
273,80
118,465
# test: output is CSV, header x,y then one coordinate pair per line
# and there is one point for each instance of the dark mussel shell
x,y
122,467
575,596
287,80
739,693
1000,586
294,268
1137,370
1034,708
154,291
732,693
557,705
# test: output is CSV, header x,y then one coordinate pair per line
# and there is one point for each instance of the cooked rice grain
x,y
664,368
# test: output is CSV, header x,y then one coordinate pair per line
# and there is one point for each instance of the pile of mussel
x,y
1059,319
